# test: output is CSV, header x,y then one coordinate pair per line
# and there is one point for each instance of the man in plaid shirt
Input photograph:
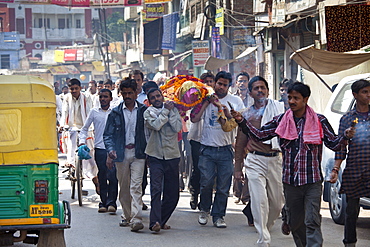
x,y
356,175
302,178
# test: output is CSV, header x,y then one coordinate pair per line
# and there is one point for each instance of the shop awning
x,y
327,62
247,51
213,63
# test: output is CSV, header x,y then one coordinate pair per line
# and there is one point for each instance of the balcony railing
x,y
58,34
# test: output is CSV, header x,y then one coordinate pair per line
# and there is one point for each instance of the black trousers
x,y
108,182
164,189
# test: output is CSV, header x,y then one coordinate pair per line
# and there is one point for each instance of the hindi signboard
x,y
200,52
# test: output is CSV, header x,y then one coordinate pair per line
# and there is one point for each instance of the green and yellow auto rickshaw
x,y
29,206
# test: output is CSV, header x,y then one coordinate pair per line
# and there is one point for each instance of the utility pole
x,y
105,43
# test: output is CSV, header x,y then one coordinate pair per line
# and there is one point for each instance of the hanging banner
x,y
216,42
70,54
200,52
35,1
59,56
156,1
107,3
132,3
220,20
71,3
6,1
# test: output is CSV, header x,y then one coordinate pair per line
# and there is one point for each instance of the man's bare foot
x,y
166,227
156,227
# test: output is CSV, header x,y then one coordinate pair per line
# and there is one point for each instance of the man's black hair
x,y
149,85
225,75
301,88
137,72
207,74
108,81
128,83
286,82
153,90
241,74
359,84
64,87
106,90
94,82
74,81
254,79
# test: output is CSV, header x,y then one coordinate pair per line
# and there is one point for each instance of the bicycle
x,y
75,173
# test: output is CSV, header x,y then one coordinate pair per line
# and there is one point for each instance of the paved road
x,y
89,228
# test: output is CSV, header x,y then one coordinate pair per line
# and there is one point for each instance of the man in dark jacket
x,y
125,142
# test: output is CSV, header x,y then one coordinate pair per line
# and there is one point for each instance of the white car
x,y
340,103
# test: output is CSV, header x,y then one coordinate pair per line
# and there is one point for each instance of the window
x,y
67,23
20,25
344,99
61,24
1,24
5,62
47,22
78,23
40,23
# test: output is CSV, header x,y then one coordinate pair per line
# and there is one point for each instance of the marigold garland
x,y
177,81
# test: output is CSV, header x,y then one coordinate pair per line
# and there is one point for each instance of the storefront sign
x,y
220,20
156,1
71,3
59,56
200,52
70,54
107,3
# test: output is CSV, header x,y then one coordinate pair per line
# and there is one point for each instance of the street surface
x,y
89,228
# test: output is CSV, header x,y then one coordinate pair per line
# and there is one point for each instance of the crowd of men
x,y
271,148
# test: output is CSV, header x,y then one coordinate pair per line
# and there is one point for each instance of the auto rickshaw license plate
x,y
41,210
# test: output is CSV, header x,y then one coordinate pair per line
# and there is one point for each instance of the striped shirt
x,y
356,175
301,162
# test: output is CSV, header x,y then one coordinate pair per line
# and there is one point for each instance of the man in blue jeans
x,y
216,153
107,177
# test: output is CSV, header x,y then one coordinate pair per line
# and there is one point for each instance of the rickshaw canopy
x,y
27,121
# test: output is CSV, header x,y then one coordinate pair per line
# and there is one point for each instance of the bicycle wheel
x,y
73,182
79,181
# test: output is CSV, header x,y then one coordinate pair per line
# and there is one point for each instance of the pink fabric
x,y
312,132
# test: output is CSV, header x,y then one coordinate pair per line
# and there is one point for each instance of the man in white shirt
x,y
107,177
216,153
125,141
138,76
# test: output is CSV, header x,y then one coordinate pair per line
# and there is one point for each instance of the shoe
x,y
156,227
136,226
124,223
220,223
145,207
203,218
285,228
237,200
102,210
112,210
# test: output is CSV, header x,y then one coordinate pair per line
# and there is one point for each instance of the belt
x,y
265,154
130,146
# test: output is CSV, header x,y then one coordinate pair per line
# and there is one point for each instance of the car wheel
x,y
337,203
